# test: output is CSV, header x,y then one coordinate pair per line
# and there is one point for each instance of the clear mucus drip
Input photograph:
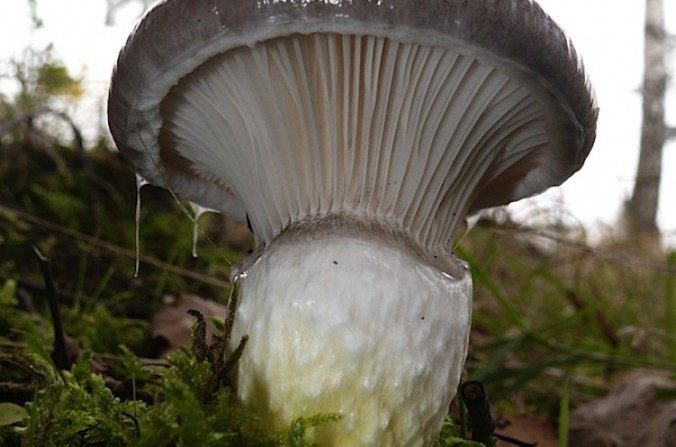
x,y
467,224
472,221
140,183
198,210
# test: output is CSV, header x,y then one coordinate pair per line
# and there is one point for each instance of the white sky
x,y
607,33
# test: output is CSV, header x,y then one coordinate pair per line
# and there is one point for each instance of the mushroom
x,y
355,135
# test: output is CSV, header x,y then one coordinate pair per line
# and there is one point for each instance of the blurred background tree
x,y
641,209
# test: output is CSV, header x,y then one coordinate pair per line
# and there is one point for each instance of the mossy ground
x,y
554,323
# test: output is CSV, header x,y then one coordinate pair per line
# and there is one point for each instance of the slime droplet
x,y
198,210
140,183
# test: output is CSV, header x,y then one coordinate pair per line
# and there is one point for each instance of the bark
x,y
642,208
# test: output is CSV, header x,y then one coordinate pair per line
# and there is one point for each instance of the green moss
x,y
192,404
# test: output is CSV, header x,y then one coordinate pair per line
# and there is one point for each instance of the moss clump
x,y
187,403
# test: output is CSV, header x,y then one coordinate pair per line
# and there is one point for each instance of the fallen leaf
x,y
11,414
172,323
529,429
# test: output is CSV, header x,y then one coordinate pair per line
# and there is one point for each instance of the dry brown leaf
x,y
529,429
172,323
633,415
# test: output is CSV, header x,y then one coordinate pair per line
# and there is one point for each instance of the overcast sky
x,y
607,33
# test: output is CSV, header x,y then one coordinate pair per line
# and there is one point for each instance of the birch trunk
x,y
642,208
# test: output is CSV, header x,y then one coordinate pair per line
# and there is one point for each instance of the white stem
x,y
352,322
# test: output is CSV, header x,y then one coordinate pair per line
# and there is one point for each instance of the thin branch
x,y
26,300
35,289
106,358
671,133
514,441
123,390
620,258
103,359
46,145
17,392
28,117
60,354
111,248
474,396
23,392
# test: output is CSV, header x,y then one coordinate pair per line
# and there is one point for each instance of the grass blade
x,y
564,413
670,311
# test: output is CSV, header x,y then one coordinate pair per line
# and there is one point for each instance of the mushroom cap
x,y
177,36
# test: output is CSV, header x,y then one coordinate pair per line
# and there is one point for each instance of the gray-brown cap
x,y
507,59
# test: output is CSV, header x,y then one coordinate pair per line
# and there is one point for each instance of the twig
x,y
599,386
16,392
101,358
60,354
26,301
580,305
112,248
36,289
12,344
28,117
615,257
23,392
601,357
514,441
136,426
121,390
474,396
143,360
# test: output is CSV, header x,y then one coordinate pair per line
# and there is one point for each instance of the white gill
x,y
315,124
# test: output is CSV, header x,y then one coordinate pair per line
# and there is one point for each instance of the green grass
x,y
542,315
670,311
564,414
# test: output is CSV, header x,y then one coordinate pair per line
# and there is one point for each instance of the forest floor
x,y
557,324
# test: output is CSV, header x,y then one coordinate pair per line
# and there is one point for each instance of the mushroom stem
x,y
343,319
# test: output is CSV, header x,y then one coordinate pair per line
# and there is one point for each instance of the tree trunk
x,y
642,208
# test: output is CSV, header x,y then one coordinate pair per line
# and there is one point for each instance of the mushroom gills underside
x,y
310,125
